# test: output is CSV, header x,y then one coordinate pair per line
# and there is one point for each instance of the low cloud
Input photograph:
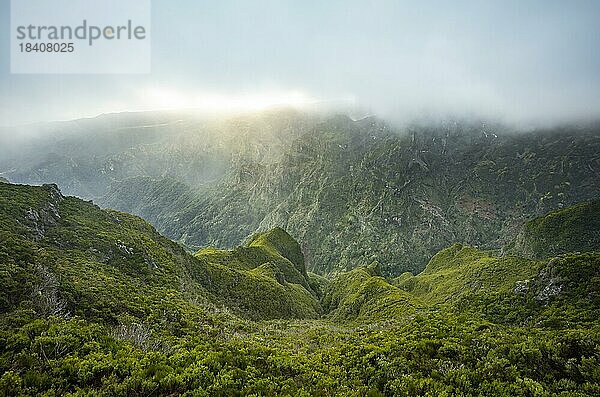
x,y
527,63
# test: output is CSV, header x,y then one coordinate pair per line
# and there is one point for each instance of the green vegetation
x,y
459,272
363,294
96,302
560,292
266,278
573,229
351,192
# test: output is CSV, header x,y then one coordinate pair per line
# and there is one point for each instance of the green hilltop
x,y
363,294
265,278
571,229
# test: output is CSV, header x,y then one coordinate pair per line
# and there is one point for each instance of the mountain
x,y
64,256
351,192
371,194
269,269
86,156
96,301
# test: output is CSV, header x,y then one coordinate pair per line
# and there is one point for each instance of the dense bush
x,y
434,355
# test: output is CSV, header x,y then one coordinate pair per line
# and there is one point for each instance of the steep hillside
x,y
559,290
572,229
84,157
560,293
66,257
63,256
351,192
266,278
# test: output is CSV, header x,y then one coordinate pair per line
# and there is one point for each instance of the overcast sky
x,y
524,61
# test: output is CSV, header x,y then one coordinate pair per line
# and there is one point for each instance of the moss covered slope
x,y
572,229
266,278
363,294
64,256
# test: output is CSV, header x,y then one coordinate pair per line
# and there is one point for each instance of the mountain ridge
x,y
366,190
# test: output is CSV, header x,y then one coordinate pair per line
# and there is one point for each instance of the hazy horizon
x,y
533,63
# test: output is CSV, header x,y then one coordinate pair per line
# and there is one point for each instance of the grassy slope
x,y
560,291
458,272
114,267
66,257
362,294
266,278
572,229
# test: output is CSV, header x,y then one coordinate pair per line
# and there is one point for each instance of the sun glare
x,y
160,98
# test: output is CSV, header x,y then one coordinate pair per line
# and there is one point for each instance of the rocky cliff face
x,y
354,192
